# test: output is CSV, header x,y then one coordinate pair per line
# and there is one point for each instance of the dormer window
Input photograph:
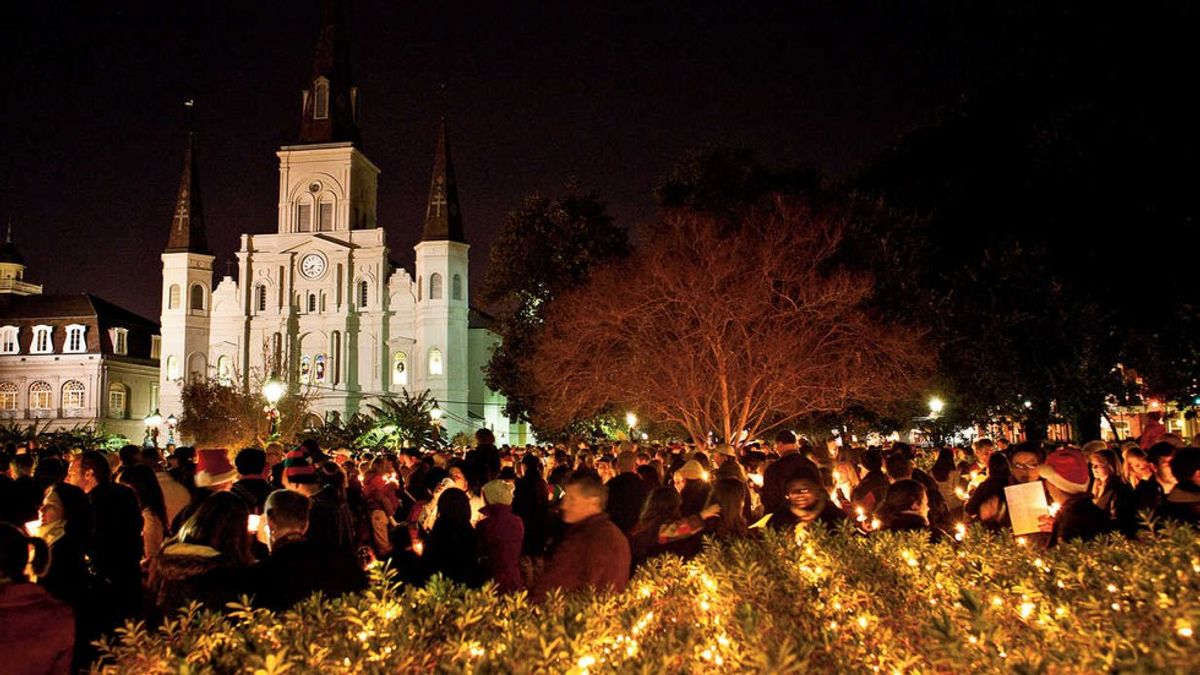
x,y
75,339
120,339
41,340
321,102
8,340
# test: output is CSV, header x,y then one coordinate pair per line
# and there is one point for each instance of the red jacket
x,y
501,533
593,553
37,632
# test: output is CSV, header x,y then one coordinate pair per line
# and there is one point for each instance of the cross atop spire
x,y
443,221
329,112
187,223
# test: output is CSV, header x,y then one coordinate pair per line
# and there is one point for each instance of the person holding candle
x,y
27,609
1066,476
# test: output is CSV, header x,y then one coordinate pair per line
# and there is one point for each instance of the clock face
x,y
312,265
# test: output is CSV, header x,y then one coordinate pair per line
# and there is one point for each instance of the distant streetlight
x,y
936,406
171,423
273,391
435,414
631,419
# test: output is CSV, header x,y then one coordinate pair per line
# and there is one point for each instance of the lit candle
x,y
1054,509
32,527
252,523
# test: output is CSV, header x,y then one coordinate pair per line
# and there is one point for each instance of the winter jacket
x,y
592,554
1117,500
626,493
1183,504
1079,518
330,523
453,552
681,538
501,534
870,490
175,495
37,632
297,568
254,492
911,522
784,519
185,572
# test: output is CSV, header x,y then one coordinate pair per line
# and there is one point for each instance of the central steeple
x,y
187,224
329,110
443,220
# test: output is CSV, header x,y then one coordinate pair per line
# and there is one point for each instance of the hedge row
x,y
816,602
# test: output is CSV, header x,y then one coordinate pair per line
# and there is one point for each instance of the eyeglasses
x,y
800,492
1024,466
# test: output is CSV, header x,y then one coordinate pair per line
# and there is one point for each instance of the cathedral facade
x,y
318,303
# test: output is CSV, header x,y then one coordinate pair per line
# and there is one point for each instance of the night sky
x,y
536,94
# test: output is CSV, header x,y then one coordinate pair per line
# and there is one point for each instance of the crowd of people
x,y
90,539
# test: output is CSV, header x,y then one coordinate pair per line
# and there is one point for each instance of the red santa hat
x,y
1067,470
213,467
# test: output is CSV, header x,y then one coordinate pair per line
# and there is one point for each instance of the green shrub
x,y
824,603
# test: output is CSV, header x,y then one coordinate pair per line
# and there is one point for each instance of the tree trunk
x,y
1087,422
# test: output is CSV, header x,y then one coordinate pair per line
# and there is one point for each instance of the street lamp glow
x,y
435,414
936,405
631,419
273,390
153,419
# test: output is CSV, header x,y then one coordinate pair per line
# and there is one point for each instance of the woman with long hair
x,y
202,561
905,508
729,495
987,503
1110,492
154,510
66,527
452,547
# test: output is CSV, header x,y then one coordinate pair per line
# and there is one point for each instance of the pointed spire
x,y
443,221
330,104
187,224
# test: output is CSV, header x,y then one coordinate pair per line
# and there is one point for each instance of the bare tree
x,y
724,327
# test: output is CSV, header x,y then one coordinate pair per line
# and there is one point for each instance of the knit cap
x,y
498,492
298,468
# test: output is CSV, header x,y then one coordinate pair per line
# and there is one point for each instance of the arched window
x,y
261,294
325,217
303,216
400,369
436,367
197,367
173,296
456,287
8,396
312,302
117,401
363,288
172,368
435,286
75,342
41,396
319,368
41,340
8,340
305,367
198,297
72,395
224,369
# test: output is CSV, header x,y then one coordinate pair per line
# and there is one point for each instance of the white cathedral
x,y
318,302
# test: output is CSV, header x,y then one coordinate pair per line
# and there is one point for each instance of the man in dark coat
x,y
116,544
297,567
593,553
790,463
626,493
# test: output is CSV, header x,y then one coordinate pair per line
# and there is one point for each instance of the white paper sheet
x,y
1026,502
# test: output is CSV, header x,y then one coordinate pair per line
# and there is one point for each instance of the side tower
x,y
186,290
442,302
